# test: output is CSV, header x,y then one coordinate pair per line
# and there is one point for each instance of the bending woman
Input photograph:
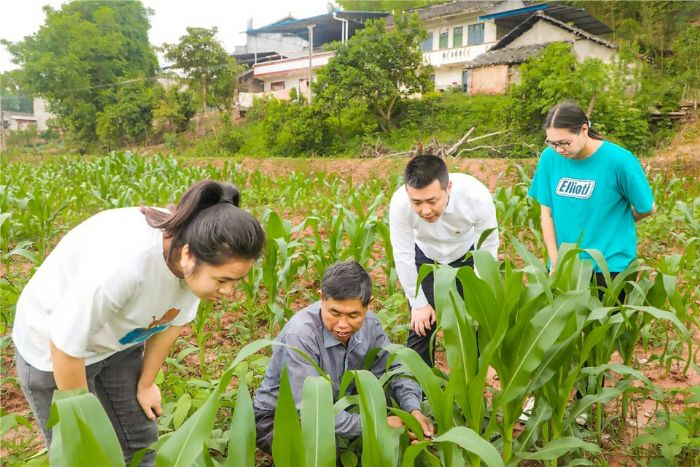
x,y
106,306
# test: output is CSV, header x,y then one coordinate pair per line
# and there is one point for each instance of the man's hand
x,y
149,400
424,423
394,421
422,320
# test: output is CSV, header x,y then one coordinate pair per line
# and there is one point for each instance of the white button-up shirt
x,y
469,212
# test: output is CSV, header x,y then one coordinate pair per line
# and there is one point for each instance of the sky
x,y
22,18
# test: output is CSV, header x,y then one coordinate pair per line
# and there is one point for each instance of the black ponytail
x,y
570,116
209,220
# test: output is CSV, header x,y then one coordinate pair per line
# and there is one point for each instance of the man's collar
x,y
329,340
450,204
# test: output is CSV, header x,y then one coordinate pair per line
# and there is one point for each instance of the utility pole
x,y
3,146
311,52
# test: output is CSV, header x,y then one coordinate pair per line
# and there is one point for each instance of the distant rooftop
x,y
577,17
540,15
326,28
512,56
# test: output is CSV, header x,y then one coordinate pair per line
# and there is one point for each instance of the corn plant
x,y
280,265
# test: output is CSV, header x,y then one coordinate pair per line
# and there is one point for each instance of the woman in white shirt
x,y
106,306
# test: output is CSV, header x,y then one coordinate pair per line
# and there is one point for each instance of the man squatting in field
x,y
337,332
436,217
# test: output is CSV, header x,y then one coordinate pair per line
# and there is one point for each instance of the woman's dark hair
x,y
570,116
423,170
208,219
347,281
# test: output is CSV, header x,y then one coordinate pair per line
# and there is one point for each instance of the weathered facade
x,y
494,71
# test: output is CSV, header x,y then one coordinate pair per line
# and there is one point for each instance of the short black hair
x,y
347,281
423,170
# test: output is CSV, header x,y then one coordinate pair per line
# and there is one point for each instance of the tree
x,y
174,111
80,55
128,119
209,71
685,61
377,67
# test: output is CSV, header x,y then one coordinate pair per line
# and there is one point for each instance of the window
x,y
277,86
457,36
444,37
465,81
426,44
476,33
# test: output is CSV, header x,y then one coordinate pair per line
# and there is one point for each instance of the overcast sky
x,y
22,18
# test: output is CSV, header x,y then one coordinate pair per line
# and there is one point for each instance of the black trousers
x,y
421,344
600,281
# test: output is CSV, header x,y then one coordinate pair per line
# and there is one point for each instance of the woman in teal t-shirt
x,y
589,189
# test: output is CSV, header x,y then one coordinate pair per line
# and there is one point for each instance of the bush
x,y
174,111
293,128
128,119
555,75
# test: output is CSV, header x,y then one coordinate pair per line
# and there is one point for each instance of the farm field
x,y
316,212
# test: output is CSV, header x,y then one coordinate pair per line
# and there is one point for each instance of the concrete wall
x,y
447,77
41,113
290,81
285,44
586,48
488,80
541,33
436,27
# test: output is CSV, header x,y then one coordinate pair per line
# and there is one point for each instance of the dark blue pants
x,y
422,344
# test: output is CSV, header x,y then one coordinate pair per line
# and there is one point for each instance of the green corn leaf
x,y
470,441
318,422
241,442
287,441
82,432
557,448
181,410
379,440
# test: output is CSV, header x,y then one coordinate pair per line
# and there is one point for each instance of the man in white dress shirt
x,y
436,216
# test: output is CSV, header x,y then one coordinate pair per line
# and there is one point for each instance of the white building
x,y
279,54
38,118
494,71
461,31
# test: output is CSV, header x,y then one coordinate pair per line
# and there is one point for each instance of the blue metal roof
x,y
577,17
517,11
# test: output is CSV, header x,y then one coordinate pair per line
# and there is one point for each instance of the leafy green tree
x,y
174,111
654,25
128,119
377,67
686,60
79,56
208,70
294,128
547,79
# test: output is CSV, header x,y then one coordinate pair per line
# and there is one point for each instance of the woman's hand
x,y
149,400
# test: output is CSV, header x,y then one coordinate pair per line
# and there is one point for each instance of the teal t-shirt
x,y
592,199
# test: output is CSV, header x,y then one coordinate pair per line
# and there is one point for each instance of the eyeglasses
x,y
562,144
558,144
